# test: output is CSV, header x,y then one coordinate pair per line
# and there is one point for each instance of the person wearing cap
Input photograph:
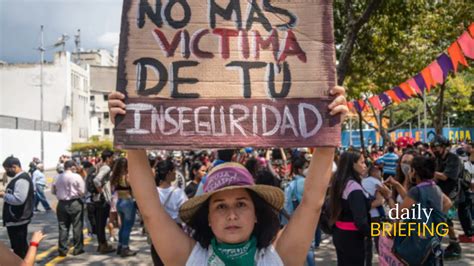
x,y
39,182
235,221
18,200
448,170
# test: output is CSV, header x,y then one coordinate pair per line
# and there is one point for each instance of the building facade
x,y
66,109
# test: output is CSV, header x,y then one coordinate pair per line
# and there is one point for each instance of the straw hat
x,y
228,176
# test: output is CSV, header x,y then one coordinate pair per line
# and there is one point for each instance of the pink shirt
x,y
68,186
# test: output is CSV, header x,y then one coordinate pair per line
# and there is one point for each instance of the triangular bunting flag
x,y
393,96
350,105
426,74
471,29
414,86
374,100
467,44
446,64
385,99
420,82
357,106
436,73
456,55
407,89
402,96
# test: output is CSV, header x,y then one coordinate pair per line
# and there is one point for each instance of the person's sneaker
x,y
62,254
452,251
105,249
127,252
119,250
466,239
75,253
112,239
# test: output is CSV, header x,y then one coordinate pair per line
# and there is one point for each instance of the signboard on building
x,y
226,73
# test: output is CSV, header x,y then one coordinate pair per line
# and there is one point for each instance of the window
x,y
106,97
106,115
107,131
92,97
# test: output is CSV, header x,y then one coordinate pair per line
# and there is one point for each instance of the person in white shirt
x,y
39,183
371,184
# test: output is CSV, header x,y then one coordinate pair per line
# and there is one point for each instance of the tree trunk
x,y
361,132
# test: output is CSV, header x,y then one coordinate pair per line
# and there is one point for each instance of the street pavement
x,y
48,254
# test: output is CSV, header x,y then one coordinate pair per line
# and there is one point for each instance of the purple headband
x,y
227,176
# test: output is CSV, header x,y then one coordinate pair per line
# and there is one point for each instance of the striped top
x,y
389,161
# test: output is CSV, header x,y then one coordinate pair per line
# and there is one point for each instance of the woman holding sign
x,y
235,221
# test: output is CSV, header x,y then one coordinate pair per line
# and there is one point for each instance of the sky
x,y
20,21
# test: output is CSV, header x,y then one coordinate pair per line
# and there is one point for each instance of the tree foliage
x,y
400,39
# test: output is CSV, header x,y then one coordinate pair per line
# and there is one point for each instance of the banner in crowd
x,y
454,134
226,73
435,73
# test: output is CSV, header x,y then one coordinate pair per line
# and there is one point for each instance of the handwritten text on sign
x,y
196,51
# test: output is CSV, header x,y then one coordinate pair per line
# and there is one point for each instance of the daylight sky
x,y
20,20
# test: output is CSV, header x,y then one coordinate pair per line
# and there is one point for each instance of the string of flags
x,y
432,75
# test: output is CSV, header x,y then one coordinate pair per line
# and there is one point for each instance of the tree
x,y
397,42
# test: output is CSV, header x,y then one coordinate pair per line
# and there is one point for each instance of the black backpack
x,y
90,186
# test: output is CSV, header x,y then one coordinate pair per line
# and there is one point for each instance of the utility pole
x,y
77,41
41,49
425,138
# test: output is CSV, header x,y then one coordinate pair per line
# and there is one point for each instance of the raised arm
x,y
171,243
295,240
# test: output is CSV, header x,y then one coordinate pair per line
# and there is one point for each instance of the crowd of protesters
x,y
362,190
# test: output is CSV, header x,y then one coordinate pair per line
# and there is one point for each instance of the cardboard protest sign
x,y
226,73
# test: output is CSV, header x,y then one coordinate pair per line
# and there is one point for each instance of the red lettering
x,y
224,43
292,48
168,49
260,43
244,44
195,44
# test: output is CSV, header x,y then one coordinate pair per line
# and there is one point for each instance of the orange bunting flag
x,y
436,73
471,29
407,89
374,100
426,74
363,105
414,86
456,55
393,96
467,44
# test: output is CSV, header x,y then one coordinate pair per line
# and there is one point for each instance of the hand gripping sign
x,y
226,73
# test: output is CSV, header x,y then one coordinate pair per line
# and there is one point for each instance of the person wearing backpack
x,y
350,205
465,201
447,176
430,196
102,199
90,171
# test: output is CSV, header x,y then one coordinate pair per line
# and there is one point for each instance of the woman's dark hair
x,y
119,168
265,177
252,166
162,169
297,164
345,172
195,167
424,167
265,229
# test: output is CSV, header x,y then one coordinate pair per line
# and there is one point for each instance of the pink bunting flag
x,y
436,73
414,86
374,100
467,44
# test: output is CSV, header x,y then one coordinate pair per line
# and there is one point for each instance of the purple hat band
x,y
227,176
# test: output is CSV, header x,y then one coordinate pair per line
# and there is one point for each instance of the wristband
x,y
34,244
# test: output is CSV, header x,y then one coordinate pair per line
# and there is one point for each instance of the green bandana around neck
x,y
235,254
